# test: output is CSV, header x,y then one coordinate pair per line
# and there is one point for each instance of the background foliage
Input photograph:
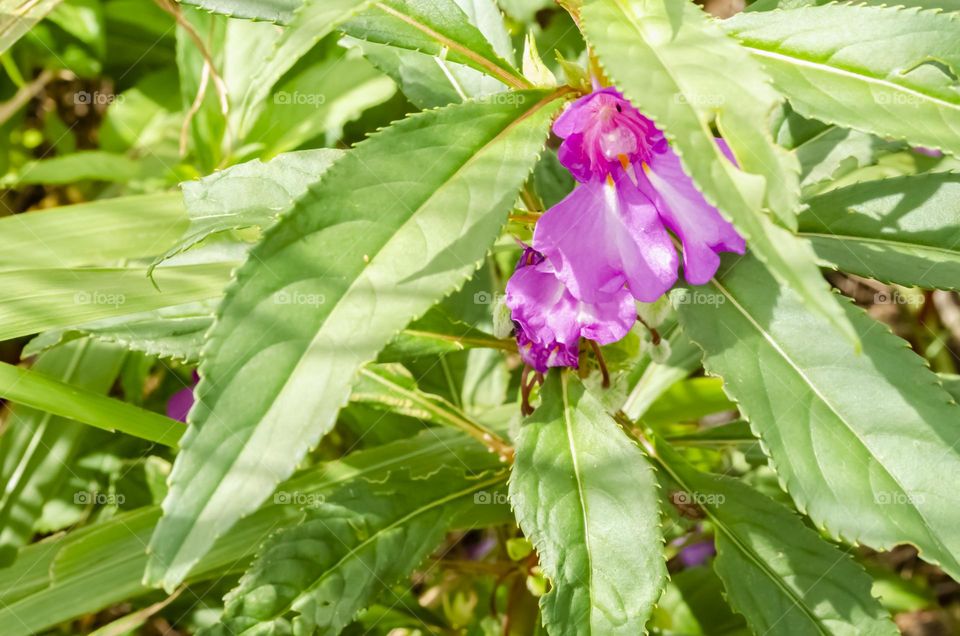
x,y
314,206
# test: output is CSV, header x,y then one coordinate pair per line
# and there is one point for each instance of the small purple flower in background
x,y
697,553
181,402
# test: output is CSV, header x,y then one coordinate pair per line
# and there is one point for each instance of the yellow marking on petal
x,y
610,180
623,160
646,168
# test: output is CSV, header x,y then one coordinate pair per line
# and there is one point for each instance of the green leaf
x,y
252,194
599,542
350,549
173,333
95,165
400,221
889,71
277,11
72,235
17,17
49,394
37,448
777,572
73,296
902,230
438,28
92,568
653,51
844,431
658,377
837,152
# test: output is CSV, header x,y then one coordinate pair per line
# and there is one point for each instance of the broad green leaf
x,y
903,230
37,448
846,432
72,235
251,194
349,549
733,433
939,5
653,50
599,542
693,605
403,219
94,567
687,401
47,393
777,572
889,71
35,300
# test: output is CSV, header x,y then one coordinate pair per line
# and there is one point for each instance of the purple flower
x,y
612,230
550,321
697,553
607,234
181,402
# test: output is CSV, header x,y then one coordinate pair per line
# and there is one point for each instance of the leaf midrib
x,y
581,493
859,75
816,391
882,241
746,551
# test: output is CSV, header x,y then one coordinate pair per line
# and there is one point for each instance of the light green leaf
x,y
252,194
95,165
400,221
888,71
92,568
72,235
174,333
777,572
17,17
599,542
653,50
350,548
69,297
903,230
46,393
37,448
844,431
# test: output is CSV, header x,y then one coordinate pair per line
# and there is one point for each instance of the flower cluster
x,y
608,243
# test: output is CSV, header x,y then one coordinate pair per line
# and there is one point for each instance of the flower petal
x,y
683,209
602,236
